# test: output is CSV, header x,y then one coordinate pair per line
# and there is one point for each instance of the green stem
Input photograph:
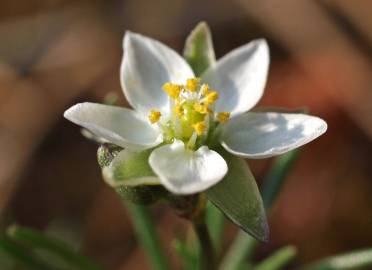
x,y
208,258
21,256
36,239
355,260
244,245
189,259
147,235
215,221
278,260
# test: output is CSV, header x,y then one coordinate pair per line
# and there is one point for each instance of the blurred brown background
x,y
54,53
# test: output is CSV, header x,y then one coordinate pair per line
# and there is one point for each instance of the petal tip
x,y
321,129
68,114
266,233
263,45
129,37
202,26
324,126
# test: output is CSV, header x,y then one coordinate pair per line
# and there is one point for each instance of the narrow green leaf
x,y
275,178
235,257
237,196
208,258
216,223
53,246
6,260
361,259
147,235
198,51
278,260
22,256
190,260
244,246
70,230
245,266
192,244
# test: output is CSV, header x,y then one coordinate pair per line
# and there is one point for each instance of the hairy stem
x,y
147,235
208,259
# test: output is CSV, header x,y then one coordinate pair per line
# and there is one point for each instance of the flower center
x,y
192,116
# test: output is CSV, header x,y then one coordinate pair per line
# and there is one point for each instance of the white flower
x,y
181,117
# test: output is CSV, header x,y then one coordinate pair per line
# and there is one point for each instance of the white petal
x,y
240,77
183,171
261,135
148,64
120,126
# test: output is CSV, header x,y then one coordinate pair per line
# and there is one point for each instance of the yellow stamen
x,y
204,89
173,90
178,109
192,84
199,127
223,117
211,97
201,108
154,116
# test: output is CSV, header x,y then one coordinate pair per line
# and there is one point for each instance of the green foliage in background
x,y
236,197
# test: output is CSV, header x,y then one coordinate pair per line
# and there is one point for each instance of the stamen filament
x,y
201,108
192,84
192,141
199,127
204,89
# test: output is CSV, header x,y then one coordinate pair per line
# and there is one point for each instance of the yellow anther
x,y
223,117
204,89
178,109
211,97
199,127
192,84
201,108
154,116
173,90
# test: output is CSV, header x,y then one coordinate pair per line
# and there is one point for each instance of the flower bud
x,y
145,194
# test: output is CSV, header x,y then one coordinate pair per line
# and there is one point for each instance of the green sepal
x,y
198,51
238,197
106,153
130,168
129,173
141,194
